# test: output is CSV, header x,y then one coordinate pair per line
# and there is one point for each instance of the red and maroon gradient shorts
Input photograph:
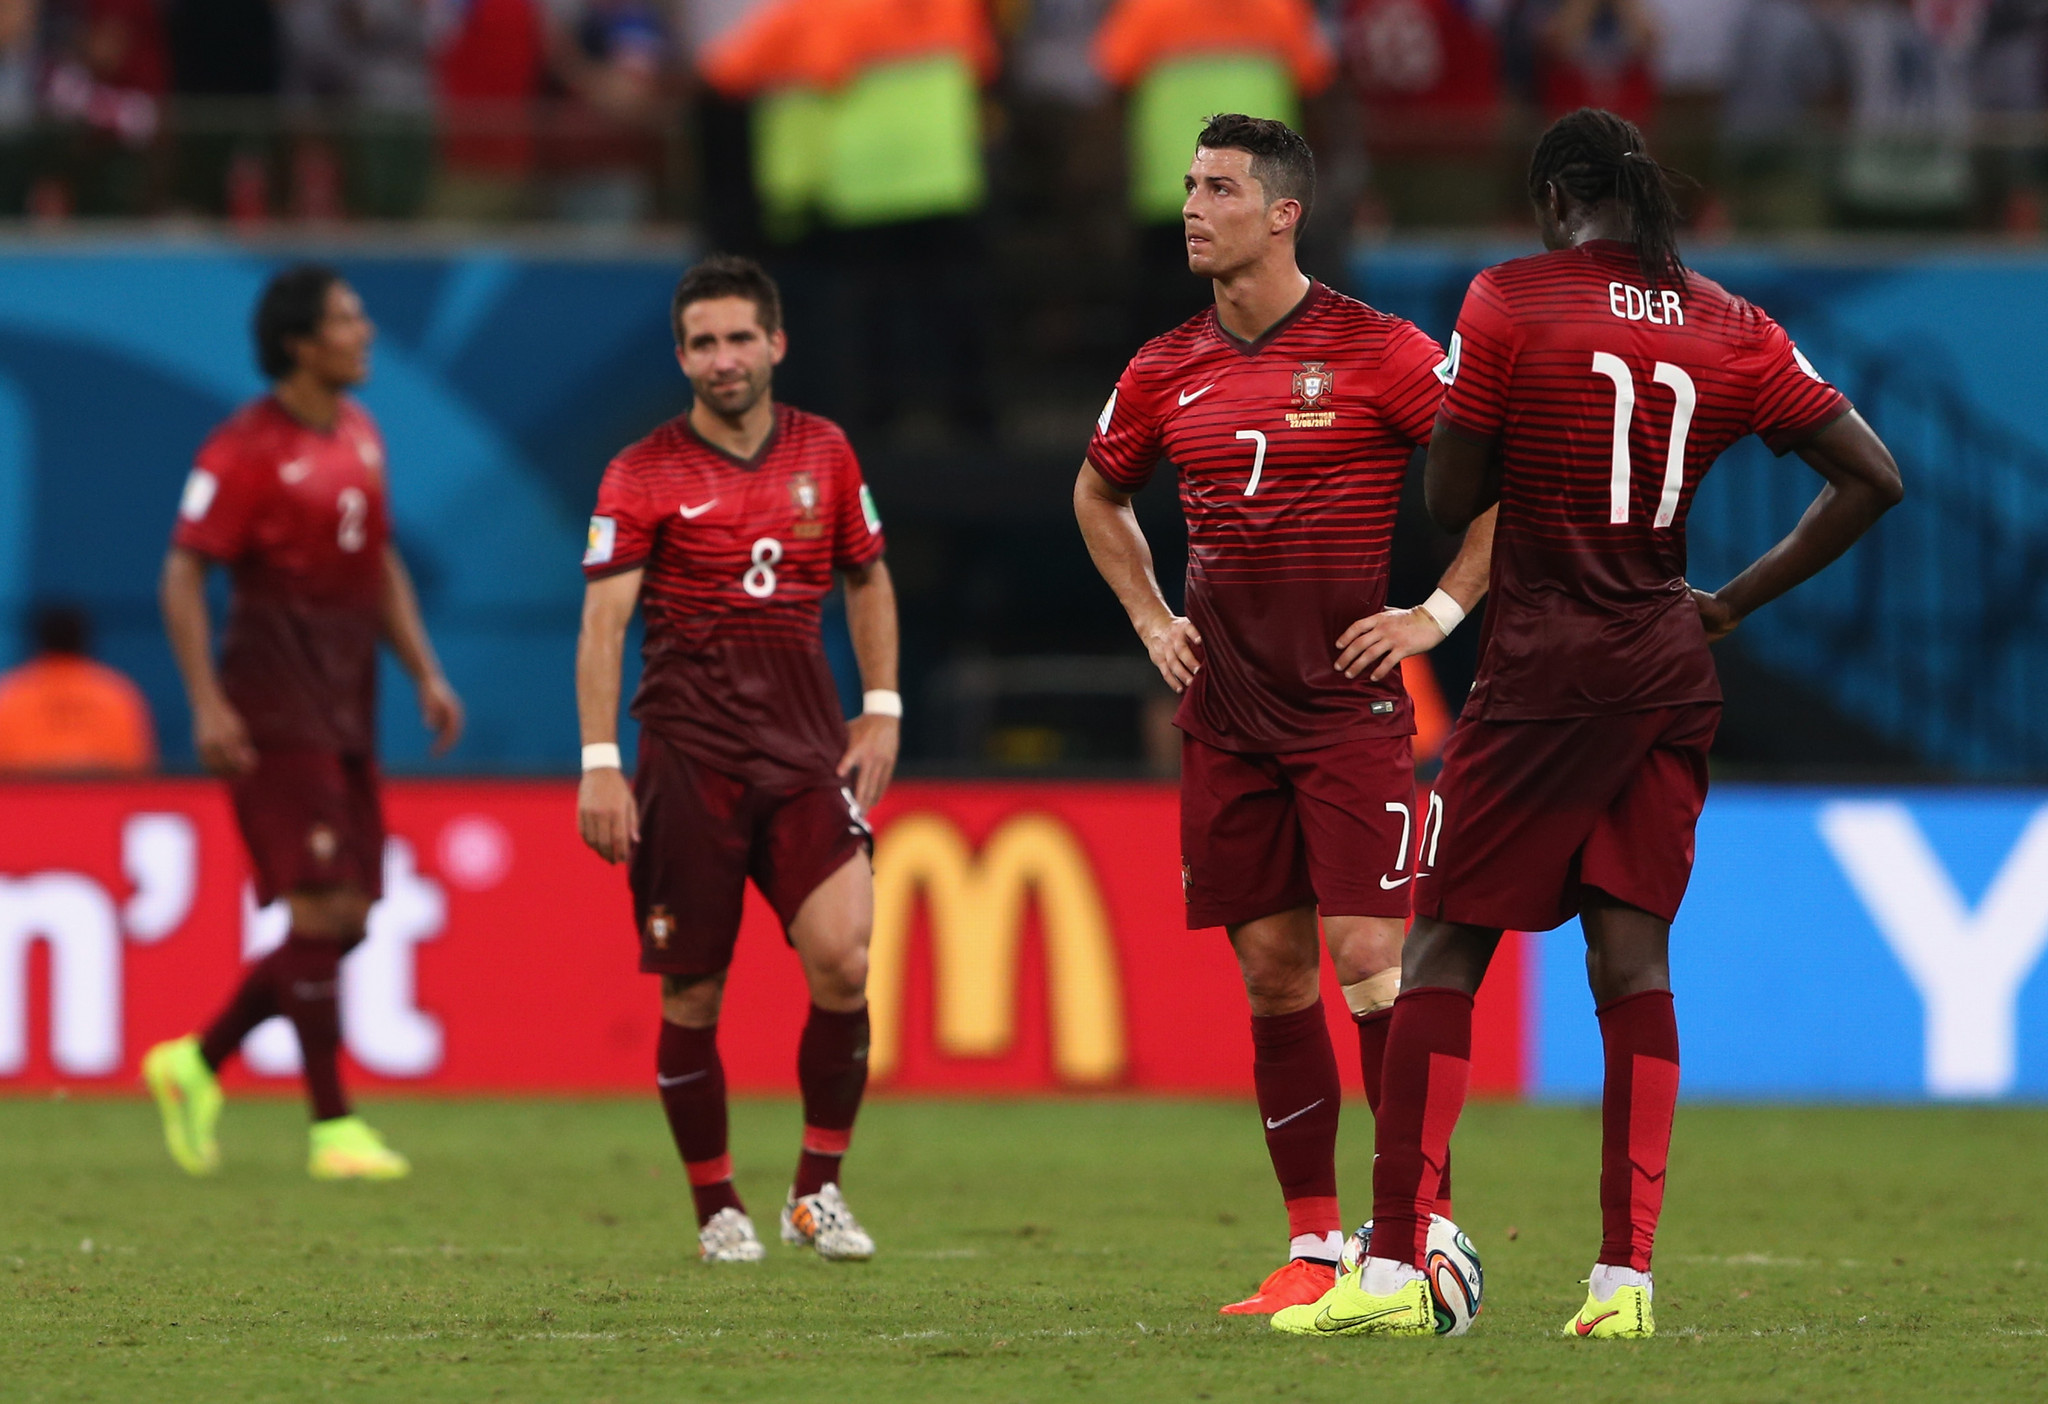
x,y
1534,811
703,833
311,819
1329,828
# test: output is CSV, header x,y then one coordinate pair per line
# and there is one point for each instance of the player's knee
x,y
692,1000
841,976
1276,984
340,913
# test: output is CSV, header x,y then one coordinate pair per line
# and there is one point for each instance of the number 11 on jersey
x,y
1684,397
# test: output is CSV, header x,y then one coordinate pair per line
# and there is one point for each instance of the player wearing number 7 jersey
x,y
289,496
725,527
1595,386
1291,413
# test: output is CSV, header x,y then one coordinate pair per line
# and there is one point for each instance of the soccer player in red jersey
x,y
1291,412
1593,386
726,526
289,496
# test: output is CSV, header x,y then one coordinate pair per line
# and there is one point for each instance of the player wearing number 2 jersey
x,y
725,527
1594,386
289,496
1291,413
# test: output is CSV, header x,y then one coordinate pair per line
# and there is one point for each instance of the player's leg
x,y
328,923
1636,865
830,933
688,878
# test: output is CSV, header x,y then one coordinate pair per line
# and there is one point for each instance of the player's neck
x,y
1605,221
740,435
314,403
1251,300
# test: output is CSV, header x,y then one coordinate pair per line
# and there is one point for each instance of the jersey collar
x,y
1273,333
760,454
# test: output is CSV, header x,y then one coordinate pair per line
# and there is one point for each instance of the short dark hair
x,y
1282,163
291,308
61,629
728,275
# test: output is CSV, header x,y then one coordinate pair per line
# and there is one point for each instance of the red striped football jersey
x,y
1609,399
1291,452
739,555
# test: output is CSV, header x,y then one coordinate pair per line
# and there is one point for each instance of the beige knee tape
x,y
1374,992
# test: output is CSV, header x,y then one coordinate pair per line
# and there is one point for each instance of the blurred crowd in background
x,y
761,119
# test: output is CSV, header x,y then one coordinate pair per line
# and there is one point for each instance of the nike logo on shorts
x,y
1272,1125
690,514
1189,399
660,1081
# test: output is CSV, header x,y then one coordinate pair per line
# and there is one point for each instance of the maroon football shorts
x,y
1534,811
311,820
703,833
1328,828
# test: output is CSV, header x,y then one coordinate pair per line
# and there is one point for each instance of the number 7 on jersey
x,y
1258,458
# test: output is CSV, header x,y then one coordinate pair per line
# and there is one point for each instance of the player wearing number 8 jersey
x,y
289,496
726,526
1291,413
1595,385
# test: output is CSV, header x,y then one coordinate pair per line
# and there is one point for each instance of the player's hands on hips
x,y
871,747
607,815
1386,638
1715,617
441,710
221,739
1173,643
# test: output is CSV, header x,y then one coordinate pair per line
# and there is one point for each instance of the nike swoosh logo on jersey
x,y
1190,399
690,514
1272,1125
660,1081
1585,1327
1388,884
296,471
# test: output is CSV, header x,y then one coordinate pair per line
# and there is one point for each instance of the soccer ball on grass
x,y
1456,1281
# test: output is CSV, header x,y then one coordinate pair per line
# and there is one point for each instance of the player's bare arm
x,y
1863,484
872,739
1461,478
606,815
440,709
1394,634
218,734
1118,547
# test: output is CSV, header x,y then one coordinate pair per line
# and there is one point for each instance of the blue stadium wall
x,y
505,380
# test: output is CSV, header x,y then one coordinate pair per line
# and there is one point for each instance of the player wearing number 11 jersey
x,y
725,526
1595,385
1291,413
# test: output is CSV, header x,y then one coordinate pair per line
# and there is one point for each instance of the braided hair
x,y
1593,155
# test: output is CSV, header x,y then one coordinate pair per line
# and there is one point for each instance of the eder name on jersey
x,y
1291,451
739,556
1610,399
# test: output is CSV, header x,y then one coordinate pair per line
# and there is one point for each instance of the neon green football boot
x,y
188,1095
1348,1310
1625,1316
345,1148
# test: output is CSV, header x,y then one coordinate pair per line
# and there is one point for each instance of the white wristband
x,y
602,756
1447,612
881,702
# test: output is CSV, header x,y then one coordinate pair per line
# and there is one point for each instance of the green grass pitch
x,y
1029,1250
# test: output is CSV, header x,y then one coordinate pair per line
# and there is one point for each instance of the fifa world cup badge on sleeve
x,y
867,510
598,549
200,488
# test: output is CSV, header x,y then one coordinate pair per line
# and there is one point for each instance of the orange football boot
x,y
1297,1284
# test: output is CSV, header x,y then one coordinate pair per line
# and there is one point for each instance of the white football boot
x,y
729,1238
822,1221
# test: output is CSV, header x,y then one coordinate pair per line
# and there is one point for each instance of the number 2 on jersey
x,y
1685,398
355,517
1258,458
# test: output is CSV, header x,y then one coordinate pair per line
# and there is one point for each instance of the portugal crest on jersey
x,y
804,488
1312,385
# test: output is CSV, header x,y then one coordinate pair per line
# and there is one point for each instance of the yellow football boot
x,y
345,1148
188,1095
1348,1310
1625,1316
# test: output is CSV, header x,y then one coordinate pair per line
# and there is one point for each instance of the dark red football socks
x,y
301,981
1640,1034
832,1070
1428,1070
692,1083
1372,1058
1294,1068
